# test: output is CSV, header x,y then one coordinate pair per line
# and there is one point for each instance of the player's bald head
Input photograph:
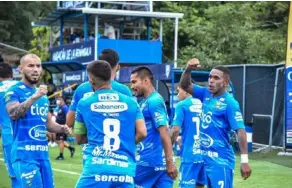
x,y
28,58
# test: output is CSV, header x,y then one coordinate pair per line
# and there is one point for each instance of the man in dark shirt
x,y
61,119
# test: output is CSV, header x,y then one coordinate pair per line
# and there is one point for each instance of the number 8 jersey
x,y
108,119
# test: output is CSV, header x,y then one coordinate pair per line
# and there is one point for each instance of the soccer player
x,y
187,120
155,166
6,82
61,119
85,89
220,115
27,106
113,124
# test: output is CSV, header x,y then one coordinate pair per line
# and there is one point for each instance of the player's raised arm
x,y
185,80
15,109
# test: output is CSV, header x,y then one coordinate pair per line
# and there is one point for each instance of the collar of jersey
x,y
103,90
27,86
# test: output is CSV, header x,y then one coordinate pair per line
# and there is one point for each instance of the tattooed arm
x,y
16,110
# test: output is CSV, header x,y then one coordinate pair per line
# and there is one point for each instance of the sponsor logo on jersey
x,y
108,97
37,110
206,140
109,107
206,119
38,132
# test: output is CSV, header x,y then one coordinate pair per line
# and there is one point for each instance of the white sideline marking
x,y
57,170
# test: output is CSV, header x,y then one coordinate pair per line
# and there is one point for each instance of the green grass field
x,y
269,170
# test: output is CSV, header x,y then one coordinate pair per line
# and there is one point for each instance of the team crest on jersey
x,y
87,94
220,105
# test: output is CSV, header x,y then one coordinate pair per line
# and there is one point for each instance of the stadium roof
x,y
6,49
74,17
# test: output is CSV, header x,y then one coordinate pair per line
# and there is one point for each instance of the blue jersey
x,y
29,131
187,116
150,151
220,115
108,119
5,121
85,89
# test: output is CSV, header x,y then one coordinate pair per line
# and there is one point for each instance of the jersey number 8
x,y
111,139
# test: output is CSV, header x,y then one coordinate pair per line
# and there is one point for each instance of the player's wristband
x,y
244,158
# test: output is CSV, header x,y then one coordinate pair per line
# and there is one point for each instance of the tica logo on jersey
x,y
42,111
206,119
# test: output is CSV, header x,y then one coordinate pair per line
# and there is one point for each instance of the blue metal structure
x,y
123,16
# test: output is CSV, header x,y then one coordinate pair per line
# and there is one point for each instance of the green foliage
x,y
40,42
16,18
227,33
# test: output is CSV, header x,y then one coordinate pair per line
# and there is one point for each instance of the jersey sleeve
x,y
76,98
128,91
65,109
158,113
234,115
139,114
11,96
178,115
199,92
79,125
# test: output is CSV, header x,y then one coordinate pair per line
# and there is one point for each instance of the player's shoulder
x,y
5,85
155,98
83,86
122,88
229,100
17,86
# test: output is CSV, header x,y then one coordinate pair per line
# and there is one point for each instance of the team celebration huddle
x,y
124,143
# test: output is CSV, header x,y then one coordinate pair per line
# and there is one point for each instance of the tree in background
x,y
16,18
215,32
227,33
40,42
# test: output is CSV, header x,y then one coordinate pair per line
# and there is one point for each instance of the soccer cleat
x,y
54,144
60,158
72,151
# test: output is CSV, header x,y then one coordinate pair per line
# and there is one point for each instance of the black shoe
x,y
60,158
72,151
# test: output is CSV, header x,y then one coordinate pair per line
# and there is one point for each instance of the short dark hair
x,y
5,71
62,97
143,72
110,56
223,69
100,70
